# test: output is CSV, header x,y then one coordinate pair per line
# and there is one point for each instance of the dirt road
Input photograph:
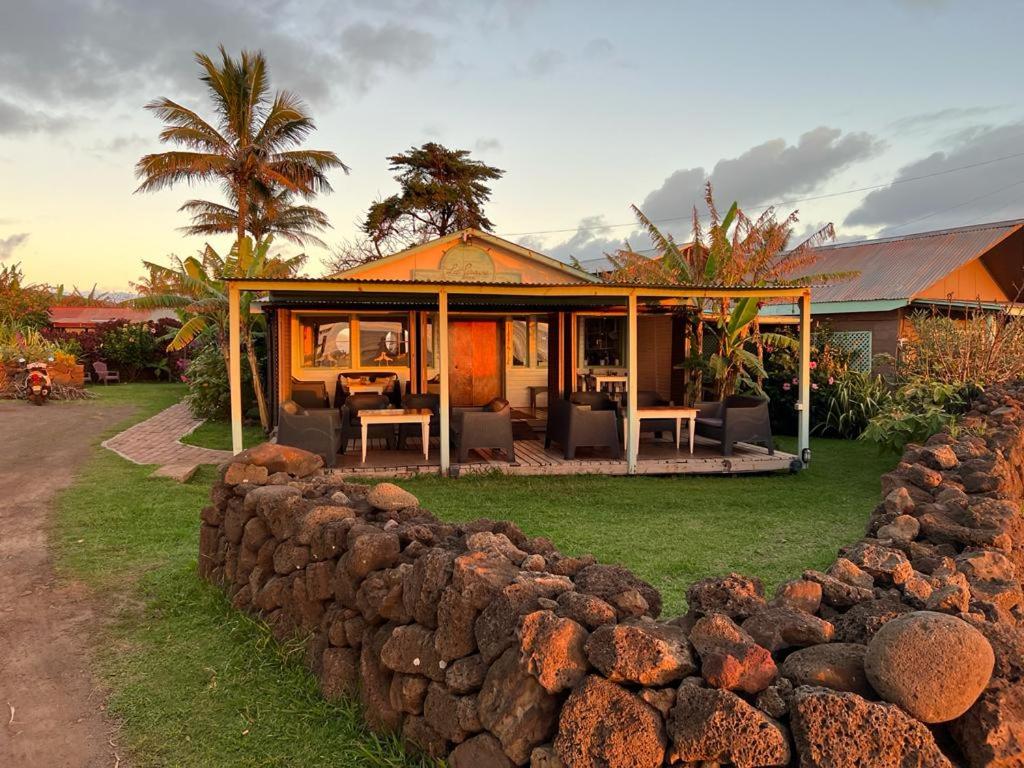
x,y
50,707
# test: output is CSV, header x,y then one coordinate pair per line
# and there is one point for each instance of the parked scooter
x,y
37,381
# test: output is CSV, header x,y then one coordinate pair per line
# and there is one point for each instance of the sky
x,y
589,107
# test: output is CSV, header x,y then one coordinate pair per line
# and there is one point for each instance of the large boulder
x,y
479,576
730,658
371,552
838,666
424,584
735,595
553,650
281,458
515,707
932,665
410,650
603,725
640,652
716,726
483,751
618,587
843,730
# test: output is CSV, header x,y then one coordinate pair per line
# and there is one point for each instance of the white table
x,y
600,379
355,387
671,412
397,416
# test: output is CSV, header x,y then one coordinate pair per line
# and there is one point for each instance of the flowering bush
x,y
136,350
208,394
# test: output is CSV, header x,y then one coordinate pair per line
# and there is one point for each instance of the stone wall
x,y
476,642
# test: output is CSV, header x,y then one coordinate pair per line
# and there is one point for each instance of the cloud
x,y
765,172
928,120
370,50
120,143
990,191
17,120
9,244
487,144
591,240
599,49
544,62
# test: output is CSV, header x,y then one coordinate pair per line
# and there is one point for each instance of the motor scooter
x,y
37,381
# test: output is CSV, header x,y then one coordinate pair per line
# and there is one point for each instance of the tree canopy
x,y
442,191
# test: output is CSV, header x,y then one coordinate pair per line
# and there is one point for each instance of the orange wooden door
x,y
474,361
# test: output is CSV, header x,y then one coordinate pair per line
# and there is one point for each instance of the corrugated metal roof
x,y
901,267
84,316
285,281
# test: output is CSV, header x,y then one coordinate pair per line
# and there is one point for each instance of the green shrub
x,y
132,348
209,396
850,402
915,411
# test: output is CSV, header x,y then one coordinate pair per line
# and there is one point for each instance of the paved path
x,y
157,440
52,708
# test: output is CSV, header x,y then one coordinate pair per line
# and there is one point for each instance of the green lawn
x,y
217,434
197,684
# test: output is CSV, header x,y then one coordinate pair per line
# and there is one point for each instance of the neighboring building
x,y
78,319
950,270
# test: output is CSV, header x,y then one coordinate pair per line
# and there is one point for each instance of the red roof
x,y
86,317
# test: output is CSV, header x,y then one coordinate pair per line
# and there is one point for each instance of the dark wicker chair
x,y
351,427
485,426
596,426
737,419
433,402
317,430
310,394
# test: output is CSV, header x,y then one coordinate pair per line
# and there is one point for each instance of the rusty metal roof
x,y
901,267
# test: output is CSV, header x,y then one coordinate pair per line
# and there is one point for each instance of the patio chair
x,y
587,419
351,427
485,426
104,374
737,419
317,430
310,394
433,402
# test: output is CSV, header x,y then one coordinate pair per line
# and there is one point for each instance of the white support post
x,y
235,366
804,403
632,425
442,311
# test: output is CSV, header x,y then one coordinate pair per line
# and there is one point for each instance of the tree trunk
x,y
243,211
257,384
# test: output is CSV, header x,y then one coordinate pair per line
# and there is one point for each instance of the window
x,y
383,342
603,339
542,344
326,341
520,328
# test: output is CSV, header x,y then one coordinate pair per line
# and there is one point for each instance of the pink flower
x,y
813,365
814,387
796,380
831,379
185,379
786,386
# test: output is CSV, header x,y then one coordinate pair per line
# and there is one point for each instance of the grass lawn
x,y
217,434
197,684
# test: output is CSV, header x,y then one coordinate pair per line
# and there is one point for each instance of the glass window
x,y
520,343
383,342
542,344
431,341
326,341
603,341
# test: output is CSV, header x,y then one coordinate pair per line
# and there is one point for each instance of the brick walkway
x,y
157,440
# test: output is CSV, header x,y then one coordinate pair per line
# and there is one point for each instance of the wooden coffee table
x,y
358,387
671,412
397,416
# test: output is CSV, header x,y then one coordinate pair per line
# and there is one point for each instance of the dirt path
x,y
45,625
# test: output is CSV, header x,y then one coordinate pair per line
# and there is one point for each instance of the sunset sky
x,y
588,106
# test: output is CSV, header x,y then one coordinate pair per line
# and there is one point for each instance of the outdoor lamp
x,y
805,456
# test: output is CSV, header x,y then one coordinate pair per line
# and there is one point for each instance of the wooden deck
x,y
656,458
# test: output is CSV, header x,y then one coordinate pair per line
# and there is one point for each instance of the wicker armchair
x,y
588,419
310,394
486,426
737,419
351,427
433,402
315,430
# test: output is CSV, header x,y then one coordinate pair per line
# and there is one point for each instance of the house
x,y
950,270
78,319
470,317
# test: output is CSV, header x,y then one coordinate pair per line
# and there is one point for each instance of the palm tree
x,y
202,299
273,214
252,151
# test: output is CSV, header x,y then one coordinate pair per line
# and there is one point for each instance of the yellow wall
x,y
971,282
